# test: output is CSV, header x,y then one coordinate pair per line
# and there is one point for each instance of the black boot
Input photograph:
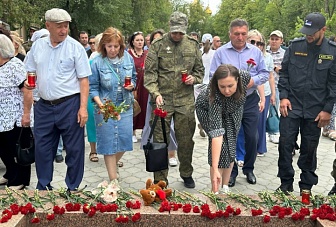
x,y
333,190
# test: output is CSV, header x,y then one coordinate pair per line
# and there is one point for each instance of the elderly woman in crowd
x,y
109,70
15,103
219,109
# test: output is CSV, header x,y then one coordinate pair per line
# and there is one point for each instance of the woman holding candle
x,y
15,113
109,70
136,50
219,109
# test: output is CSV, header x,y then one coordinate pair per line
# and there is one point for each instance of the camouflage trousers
x,y
184,125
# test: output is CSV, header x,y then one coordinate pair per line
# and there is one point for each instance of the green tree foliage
x,y
129,16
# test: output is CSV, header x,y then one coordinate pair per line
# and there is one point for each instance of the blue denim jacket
x,y
104,83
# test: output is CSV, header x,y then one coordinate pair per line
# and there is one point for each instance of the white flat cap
x,y
57,15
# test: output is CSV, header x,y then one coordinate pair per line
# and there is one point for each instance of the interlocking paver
x,y
133,174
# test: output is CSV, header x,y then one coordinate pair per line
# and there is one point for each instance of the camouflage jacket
x,y
164,63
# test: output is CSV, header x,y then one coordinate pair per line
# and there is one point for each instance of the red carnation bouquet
x,y
110,111
250,64
159,111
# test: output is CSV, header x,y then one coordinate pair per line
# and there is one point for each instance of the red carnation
x,y
129,204
196,209
114,207
50,216
92,212
62,210
266,219
229,209
186,208
69,207
136,217
281,214
86,208
161,194
35,220
76,207
237,212
226,214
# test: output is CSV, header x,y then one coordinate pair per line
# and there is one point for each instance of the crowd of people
x,y
228,92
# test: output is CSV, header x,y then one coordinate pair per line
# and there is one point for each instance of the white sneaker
x,y
19,187
173,162
3,181
225,189
274,138
134,139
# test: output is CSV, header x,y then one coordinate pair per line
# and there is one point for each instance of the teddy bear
x,y
155,192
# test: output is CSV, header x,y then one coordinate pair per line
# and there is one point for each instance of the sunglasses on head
x,y
137,33
91,43
257,43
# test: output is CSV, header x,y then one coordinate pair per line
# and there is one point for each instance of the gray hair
x,y
238,23
6,47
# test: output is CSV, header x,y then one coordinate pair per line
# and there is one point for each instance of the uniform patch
x,y
326,57
301,54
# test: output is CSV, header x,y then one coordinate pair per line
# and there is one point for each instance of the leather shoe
x,y
333,190
286,188
251,179
188,182
232,181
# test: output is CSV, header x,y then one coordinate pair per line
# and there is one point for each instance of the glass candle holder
x,y
305,197
127,81
32,79
184,74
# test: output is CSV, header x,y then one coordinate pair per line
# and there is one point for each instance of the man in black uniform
x,y
307,87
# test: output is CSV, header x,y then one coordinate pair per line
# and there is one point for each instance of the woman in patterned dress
x,y
15,113
219,109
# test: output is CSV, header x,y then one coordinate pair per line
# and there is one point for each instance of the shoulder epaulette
x,y
298,39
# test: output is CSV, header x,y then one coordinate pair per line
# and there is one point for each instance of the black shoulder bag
x,y
25,155
156,154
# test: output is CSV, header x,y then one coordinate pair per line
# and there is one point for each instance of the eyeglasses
x,y
91,43
257,43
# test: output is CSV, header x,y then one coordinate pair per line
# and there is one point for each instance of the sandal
x,y
93,157
120,164
332,135
325,132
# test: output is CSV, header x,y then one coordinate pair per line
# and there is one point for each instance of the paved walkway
x,y
134,176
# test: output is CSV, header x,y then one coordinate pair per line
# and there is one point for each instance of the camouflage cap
x,y
57,15
178,22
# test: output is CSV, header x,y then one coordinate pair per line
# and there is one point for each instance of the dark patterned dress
x,y
142,93
222,117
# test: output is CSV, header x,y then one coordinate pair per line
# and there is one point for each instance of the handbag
x,y
273,120
25,153
136,108
156,154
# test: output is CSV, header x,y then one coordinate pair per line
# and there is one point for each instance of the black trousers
x,y
310,135
15,173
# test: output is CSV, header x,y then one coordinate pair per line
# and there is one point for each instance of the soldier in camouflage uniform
x,y
167,57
